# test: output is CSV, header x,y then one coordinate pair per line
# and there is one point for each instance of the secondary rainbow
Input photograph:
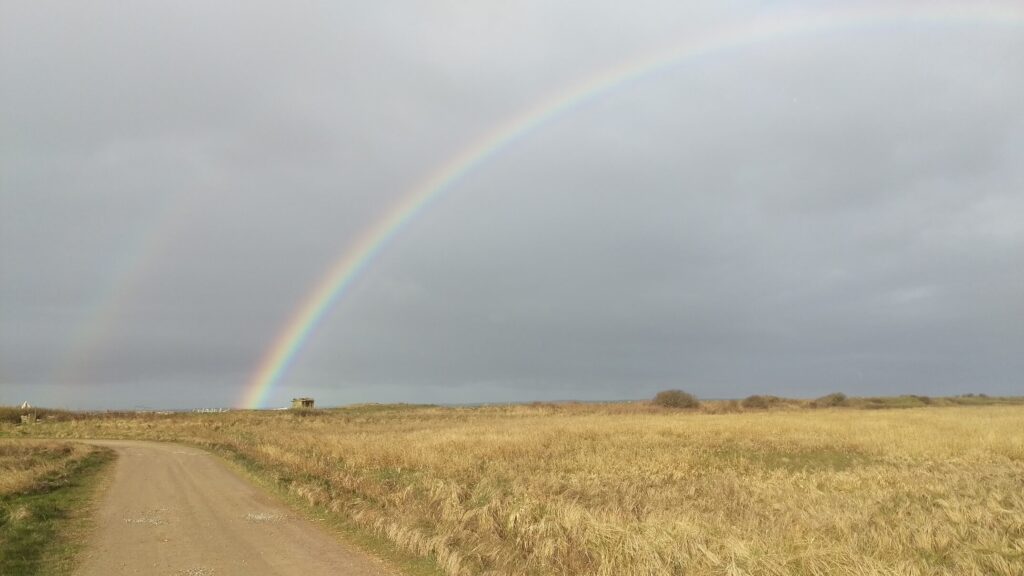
x,y
91,337
313,309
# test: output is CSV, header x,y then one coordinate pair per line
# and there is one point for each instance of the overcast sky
x,y
836,209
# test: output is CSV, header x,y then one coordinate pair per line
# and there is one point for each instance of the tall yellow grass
x,y
26,464
620,490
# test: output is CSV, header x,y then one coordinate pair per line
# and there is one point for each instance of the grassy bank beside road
x,y
46,489
627,489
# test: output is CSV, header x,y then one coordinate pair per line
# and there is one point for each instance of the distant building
x,y
302,403
27,415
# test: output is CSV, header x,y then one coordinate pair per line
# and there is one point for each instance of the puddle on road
x,y
153,517
152,520
263,517
194,572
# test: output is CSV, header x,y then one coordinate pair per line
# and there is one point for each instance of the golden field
x,y
630,489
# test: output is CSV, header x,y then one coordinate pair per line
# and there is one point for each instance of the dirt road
x,y
178,511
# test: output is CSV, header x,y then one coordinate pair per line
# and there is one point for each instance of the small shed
x,y
302,403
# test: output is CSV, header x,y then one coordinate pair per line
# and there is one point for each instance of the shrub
x,y
757,401
676,399
830,400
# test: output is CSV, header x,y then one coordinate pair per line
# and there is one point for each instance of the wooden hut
x,y
299,403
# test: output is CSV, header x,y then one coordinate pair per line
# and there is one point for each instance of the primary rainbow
x,y
282,352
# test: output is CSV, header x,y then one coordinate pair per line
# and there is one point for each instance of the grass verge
x,y
42,530
350,532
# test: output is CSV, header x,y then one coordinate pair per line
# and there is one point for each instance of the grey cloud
x,y
825,211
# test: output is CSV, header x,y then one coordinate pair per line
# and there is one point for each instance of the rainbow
x,y
315,307
92,335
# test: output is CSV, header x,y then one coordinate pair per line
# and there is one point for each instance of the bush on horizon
x,y
676,399
832,400
758,401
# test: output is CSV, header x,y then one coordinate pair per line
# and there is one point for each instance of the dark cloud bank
x,y
830,211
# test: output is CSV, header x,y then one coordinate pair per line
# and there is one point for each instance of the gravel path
x,y
178,511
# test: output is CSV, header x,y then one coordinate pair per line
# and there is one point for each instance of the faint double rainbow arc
x,y
318,302
153,236
100,319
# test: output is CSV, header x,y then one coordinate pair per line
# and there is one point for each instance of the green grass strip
x,y
42,531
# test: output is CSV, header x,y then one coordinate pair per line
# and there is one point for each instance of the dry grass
x,y
46,490
629,489
28,466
